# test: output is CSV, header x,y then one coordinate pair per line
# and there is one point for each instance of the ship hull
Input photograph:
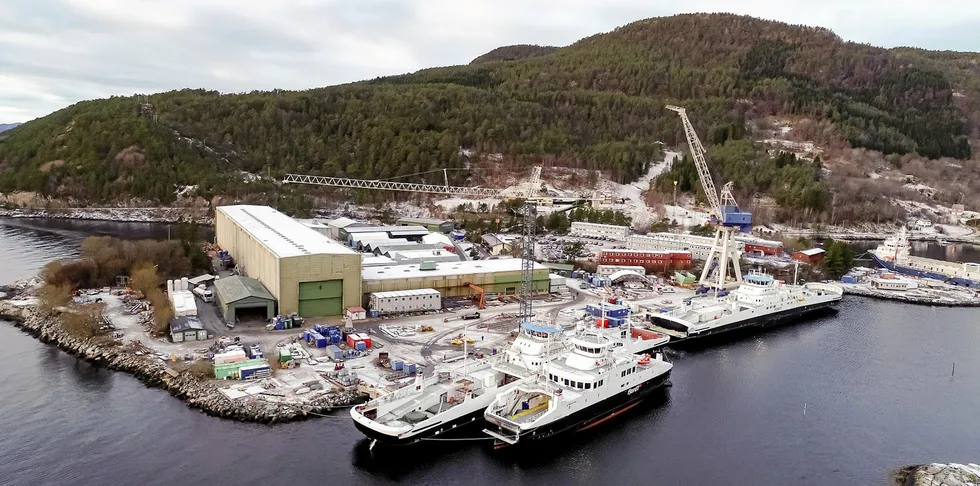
x,y
450,428
589,417
752,323
915,272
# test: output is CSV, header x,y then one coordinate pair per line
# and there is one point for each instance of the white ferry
x,y
759,301
455,396
596,381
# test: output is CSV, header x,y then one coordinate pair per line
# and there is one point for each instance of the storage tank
x,y
184,284
170,286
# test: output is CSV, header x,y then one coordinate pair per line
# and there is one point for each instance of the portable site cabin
x,y
405,301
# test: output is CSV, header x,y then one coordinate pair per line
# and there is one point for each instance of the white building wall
x,y
595,230
699,246
607,270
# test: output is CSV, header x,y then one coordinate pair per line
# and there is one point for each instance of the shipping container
x,y
255,372
360,346
397,365
610,310
409,368
366,338
351,340
334,353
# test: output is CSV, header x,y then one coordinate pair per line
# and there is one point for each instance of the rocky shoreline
x,y
936,474
202,394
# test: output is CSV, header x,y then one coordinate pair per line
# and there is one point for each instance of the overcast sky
x,y
56,52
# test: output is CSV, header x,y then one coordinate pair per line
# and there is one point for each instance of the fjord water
x,y
876,382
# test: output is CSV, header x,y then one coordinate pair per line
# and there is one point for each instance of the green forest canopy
x,y
596,104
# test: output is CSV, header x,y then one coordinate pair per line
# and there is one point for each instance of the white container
x,y
184,284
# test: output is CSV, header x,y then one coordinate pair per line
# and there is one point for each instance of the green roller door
x,y
323,298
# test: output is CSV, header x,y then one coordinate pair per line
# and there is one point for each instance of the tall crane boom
x,y
390,186
528,213
725,211
697,151
527,243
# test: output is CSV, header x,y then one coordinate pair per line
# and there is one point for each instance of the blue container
x,y
335,353
360,346
409,368
249,372
306,335
611,310
321,342
397,365
849,279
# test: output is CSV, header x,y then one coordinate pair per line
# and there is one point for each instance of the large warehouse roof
x,y
282,235
445,269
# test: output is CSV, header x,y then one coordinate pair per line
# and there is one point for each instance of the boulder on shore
x,y
936,474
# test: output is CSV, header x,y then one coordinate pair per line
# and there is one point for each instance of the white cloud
x,y
57,52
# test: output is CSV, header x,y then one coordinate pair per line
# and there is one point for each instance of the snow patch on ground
x,y
183,191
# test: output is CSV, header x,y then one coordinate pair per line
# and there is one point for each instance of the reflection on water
x,y
38,241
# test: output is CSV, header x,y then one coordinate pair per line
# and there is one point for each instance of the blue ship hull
x,y
963,282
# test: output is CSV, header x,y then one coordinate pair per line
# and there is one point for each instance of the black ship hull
x,y
452,428
749,325
587,418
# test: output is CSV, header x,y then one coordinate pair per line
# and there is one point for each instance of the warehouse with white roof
x,y
305,271
451,279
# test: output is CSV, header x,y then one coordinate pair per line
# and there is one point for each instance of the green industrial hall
x,y
238,293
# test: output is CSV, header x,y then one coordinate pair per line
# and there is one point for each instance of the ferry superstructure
x,y
759,301
595,381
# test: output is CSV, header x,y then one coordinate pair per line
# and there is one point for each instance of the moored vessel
x,y
593,382
894,255
759,301
455,395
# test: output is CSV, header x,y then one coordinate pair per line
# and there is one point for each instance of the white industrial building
x,y
556,284
371,260
596,230
334,226
699,246
437,238
405,301
607,270
408,257
453,279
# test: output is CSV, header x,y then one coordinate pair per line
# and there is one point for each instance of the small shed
x,y
356,313
201,279
187,328
813,256
237,292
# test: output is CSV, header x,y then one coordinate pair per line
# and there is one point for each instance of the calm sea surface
x,y
876,382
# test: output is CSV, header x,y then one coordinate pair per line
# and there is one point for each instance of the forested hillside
x,y
598,104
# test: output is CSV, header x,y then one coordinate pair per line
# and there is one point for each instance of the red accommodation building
x,y
652,260
758,246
